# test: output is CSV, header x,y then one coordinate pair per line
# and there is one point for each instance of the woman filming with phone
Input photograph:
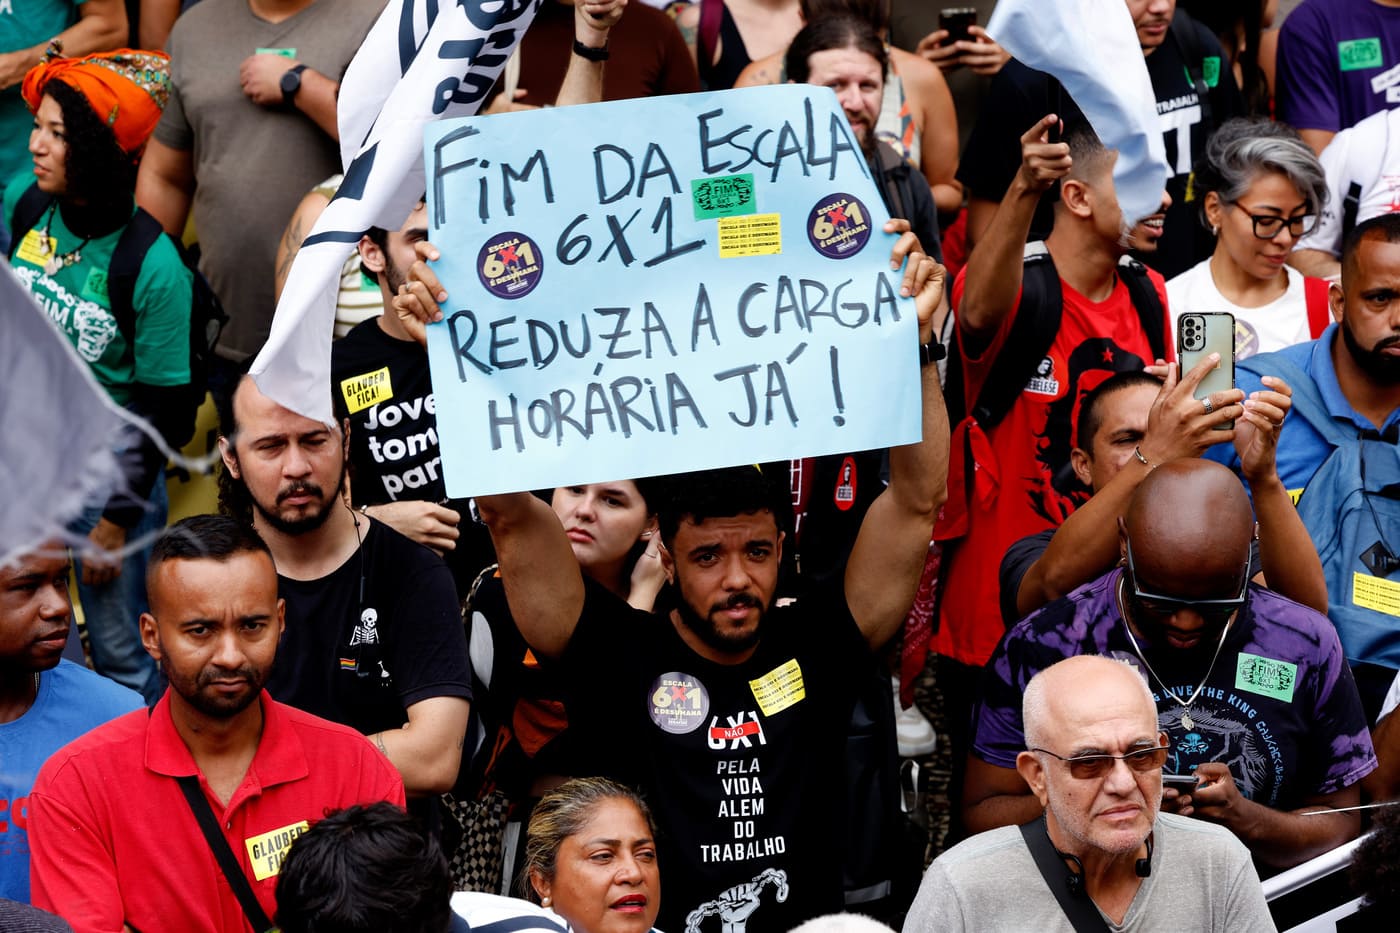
x,y
1259,189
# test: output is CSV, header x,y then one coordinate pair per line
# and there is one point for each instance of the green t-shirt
x,y
24,24
75,298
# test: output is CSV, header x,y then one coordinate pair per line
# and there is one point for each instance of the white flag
x,y
1092,47
58,427
421,62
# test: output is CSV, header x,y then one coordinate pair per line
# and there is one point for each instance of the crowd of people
x,y
1156,582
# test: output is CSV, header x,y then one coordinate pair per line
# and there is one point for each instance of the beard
x,y
712,635
311,520
197,694
1378,366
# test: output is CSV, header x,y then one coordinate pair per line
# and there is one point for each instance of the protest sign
x,y
663,285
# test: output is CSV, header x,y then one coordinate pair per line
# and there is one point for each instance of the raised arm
x,y
583,81
1287,556
892,545
994,269
1086,544
165,184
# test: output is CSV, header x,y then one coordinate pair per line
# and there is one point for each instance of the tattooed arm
x,y
303,219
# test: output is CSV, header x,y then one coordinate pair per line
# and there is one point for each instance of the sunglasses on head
x,y
1211,610
1089,767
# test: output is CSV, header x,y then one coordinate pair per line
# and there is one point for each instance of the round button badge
x,y
839,226
510,265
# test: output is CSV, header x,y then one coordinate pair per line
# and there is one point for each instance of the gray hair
x,y
1245,146
1035,702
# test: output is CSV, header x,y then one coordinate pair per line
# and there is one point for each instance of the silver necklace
x,y
1185,705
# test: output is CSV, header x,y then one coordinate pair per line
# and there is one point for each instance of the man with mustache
x,y
1349,379
45,701
116,841
374,639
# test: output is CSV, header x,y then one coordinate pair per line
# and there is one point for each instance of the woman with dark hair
x,y
91,119
1258,189
1240,25
591,858
528,749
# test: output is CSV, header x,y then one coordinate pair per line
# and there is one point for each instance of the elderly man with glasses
x,y
1106,852
1264,729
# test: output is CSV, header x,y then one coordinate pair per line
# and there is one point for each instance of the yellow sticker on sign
x,y
31,248
267,852
1376,593
780,688
754,235
365,390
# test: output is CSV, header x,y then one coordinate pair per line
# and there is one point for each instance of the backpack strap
x,y
1148,304
1078,907
1315,296
128,255
28,209
1308,403
1032,332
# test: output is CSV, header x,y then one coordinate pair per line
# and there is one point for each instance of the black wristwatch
x,y
931,352
590,53
290,84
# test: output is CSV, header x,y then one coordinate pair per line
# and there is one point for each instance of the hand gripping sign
x,y
663,285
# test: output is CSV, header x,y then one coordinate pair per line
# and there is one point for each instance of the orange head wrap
x,y
126,88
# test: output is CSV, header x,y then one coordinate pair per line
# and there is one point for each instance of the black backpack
x,y
207,316
1034,330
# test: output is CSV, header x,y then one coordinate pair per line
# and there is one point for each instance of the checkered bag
x,y
476,859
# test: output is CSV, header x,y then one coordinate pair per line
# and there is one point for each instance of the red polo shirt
x,y
114,842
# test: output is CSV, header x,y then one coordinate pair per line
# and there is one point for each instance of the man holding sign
x,y
728,710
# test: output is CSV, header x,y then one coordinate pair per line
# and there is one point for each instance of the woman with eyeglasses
x,y
1259,189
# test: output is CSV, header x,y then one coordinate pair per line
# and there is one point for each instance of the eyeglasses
x,y
1212,611
1268,226
1089,767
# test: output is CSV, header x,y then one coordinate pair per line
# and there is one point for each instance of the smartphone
x,y
957,19
1197,336
1179,781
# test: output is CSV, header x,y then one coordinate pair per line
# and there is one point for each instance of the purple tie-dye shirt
x,y
1280,706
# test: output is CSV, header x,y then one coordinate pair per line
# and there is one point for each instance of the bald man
x,y
1262,715
1093,761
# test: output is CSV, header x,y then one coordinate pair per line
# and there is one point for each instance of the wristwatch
x,y
931,352
290,84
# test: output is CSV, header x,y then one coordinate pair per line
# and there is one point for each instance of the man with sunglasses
x,y
1093,757
1263,722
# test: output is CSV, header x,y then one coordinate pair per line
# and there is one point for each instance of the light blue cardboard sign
x,y
596,330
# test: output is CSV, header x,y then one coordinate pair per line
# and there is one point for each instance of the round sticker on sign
x,y
839,226
679,703
510,265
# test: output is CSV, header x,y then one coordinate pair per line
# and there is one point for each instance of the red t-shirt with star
x,y
1028,485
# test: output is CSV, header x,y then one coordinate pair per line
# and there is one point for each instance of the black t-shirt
x,y
364,661
383,386
1020,556
1020,96
741,764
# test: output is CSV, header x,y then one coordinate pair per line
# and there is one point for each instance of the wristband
x,y
592,54
931,352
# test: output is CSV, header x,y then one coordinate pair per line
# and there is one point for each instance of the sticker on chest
x,y
678,702
267,851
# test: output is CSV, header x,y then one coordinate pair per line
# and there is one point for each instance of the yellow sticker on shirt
x,y
267,852
31,248
1376,593
365,390
780,688
1295,495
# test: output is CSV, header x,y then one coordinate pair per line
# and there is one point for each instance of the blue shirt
x,y
1301,450
71,701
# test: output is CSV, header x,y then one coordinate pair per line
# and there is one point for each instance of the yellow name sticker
x,y
780,688
365,390
754,235
31,248
1295,495
267,852
1376,593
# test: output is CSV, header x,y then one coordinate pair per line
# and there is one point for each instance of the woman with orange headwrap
x,y
91,119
